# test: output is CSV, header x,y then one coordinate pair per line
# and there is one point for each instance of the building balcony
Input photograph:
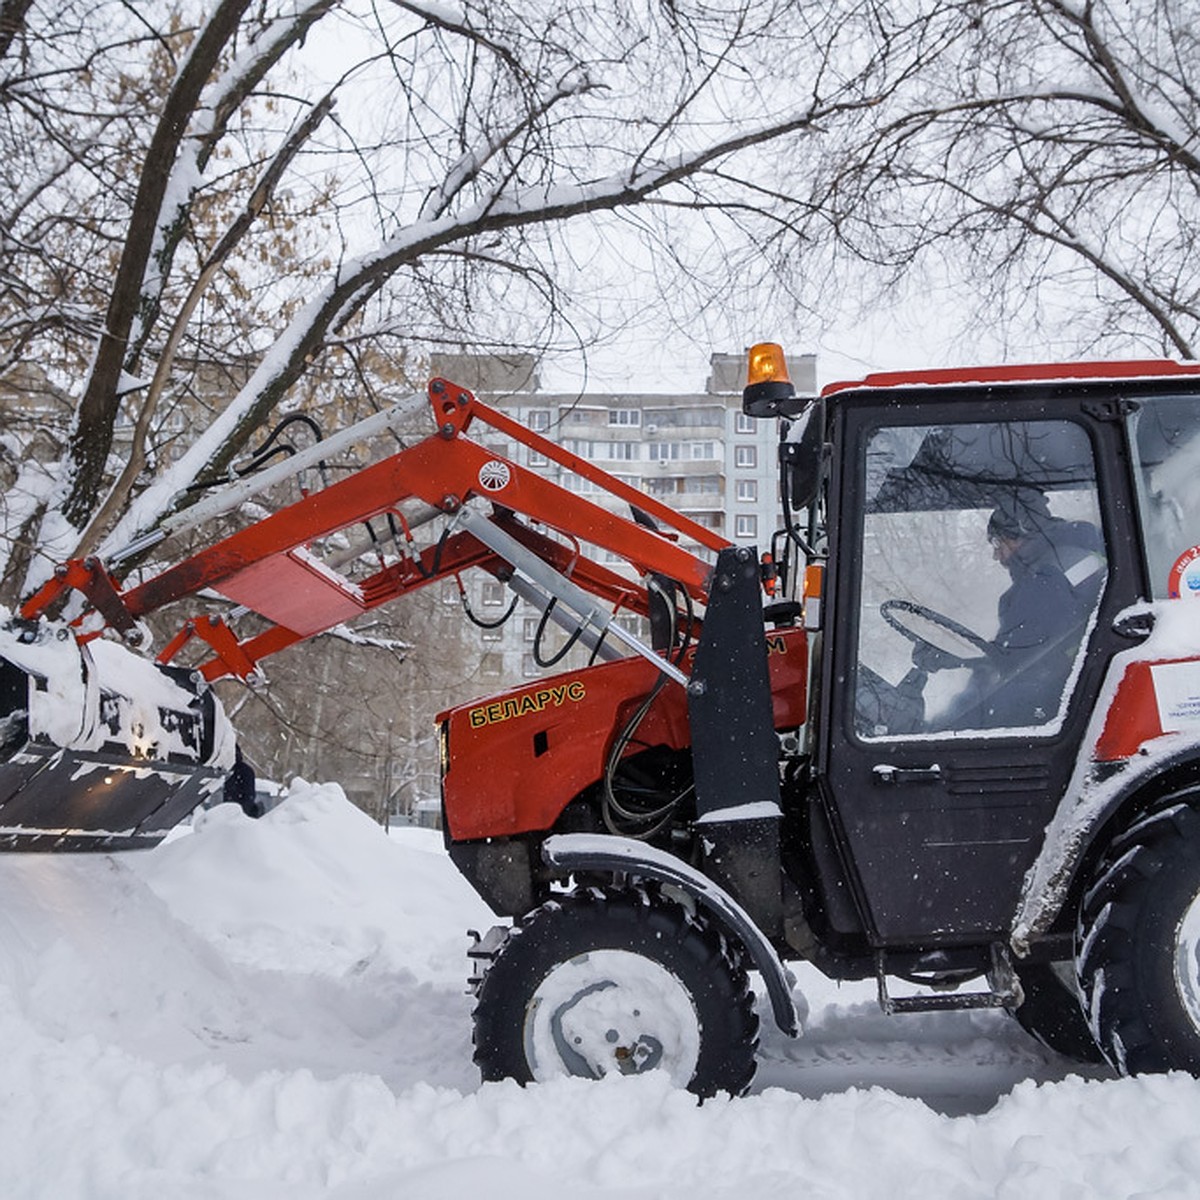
x,y
686,468
690,502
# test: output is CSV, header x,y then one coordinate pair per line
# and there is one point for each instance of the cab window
x,y
982,566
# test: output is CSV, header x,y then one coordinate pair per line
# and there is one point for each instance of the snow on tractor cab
x,y
947,731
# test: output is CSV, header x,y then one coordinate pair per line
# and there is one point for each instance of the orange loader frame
x,y
270,569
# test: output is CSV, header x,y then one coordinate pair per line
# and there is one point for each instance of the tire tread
x,y
1136,1020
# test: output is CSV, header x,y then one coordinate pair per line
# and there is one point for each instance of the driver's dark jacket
x,y
1041,619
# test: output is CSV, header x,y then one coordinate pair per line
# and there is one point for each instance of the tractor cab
x,y
985,533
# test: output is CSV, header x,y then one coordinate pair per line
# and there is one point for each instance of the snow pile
x,y
316,883
276,1009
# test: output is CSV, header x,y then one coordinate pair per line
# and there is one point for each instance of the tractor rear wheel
x,y
1138,954
617,981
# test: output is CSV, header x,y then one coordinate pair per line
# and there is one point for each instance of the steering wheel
x,y
967,647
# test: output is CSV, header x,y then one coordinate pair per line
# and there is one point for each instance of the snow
x,y
276,1009
754,810
61,711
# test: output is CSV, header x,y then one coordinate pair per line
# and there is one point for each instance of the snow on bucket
x,y
101,749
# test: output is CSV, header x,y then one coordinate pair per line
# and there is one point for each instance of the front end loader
x,y
438,507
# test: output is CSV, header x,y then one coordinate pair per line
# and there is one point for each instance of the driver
x,y
1056,570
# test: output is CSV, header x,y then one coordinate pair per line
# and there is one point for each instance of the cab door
x,y
943,757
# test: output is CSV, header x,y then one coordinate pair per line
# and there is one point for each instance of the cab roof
x,y
1145,368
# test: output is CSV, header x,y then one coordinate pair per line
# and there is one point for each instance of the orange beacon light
x,y
767,381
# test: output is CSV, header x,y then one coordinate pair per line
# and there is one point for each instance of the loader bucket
x,y
99,748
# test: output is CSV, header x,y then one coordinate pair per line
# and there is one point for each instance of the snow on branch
x,y
341,296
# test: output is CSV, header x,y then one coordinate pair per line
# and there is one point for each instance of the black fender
x,y
1102,802
625,856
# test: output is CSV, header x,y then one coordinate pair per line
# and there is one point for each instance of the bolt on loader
x,y
944,731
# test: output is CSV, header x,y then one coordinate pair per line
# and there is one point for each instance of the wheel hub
x,y
611,1012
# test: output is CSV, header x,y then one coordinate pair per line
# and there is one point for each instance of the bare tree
x,y
1043,165
216,211
436,204
201,193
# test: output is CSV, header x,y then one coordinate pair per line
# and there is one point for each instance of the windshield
x,y
982,564
1166,440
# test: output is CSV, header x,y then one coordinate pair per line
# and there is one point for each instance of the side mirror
x,y
800,459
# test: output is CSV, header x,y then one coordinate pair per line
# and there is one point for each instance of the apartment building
x,y
695,451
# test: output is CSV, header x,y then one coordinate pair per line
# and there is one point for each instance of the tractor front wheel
x,y
617,981
1138,953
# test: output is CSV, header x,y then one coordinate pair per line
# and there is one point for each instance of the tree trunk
x,y
12,21
91,439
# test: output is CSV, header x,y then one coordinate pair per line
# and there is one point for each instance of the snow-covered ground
x,y
276,1009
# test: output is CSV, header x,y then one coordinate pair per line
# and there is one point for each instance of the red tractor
x,y
947,731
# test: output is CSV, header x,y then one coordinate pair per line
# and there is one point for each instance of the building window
x,y
625,416
536,459
579,485
539,419
624,451
531,628
587,416
743,423
747,489
745,456
665,451
701,450
492,635
493,594
708,416
449,592
745,526
492,665
529,667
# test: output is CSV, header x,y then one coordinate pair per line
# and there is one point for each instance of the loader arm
x,y
299,570
273,568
